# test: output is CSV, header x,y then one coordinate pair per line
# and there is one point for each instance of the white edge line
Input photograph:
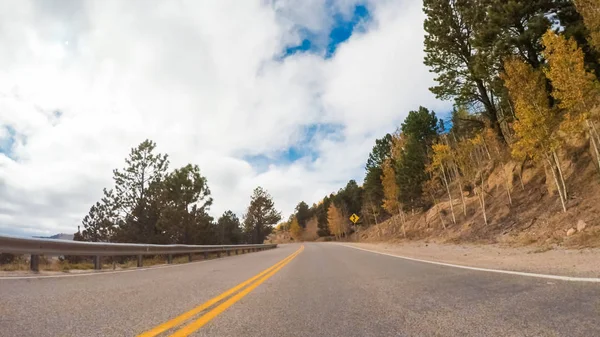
x,y
510,272
97,273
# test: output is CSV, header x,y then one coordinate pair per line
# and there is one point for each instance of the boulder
x,y
581,225
571,231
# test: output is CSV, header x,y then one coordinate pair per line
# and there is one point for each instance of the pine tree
x,y
419,132
302,213
99,225
537,121
229,230
463,71
184,204
372,187
136,193
260,216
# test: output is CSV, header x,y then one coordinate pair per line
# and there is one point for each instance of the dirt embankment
x,y
531,216
526,232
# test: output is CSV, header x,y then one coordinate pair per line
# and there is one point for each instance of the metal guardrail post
x,y
36,248
34,263
97,264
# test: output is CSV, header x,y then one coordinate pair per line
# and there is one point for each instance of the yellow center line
x,y
200,322
190,314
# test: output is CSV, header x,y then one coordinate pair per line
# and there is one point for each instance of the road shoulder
x,y
561,262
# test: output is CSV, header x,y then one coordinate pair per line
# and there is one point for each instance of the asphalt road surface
x,y
323,289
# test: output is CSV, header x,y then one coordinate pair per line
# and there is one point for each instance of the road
x,y
325,289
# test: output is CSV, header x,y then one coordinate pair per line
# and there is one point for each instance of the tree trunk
x,y
437,207
460,190
490,109
487,151
482,200
562,178
521,179
593,140
449,195
507,186
402,220
562,201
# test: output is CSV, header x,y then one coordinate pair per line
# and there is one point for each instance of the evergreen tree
x,y
372,187
260,216
229,229
464,72
184,203
302,213
136,193
99,225
420,129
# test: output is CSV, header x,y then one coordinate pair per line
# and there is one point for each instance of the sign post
x,y
354,218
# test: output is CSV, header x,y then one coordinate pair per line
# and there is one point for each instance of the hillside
x,y
59,236
534,217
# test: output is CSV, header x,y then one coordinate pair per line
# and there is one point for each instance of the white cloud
x,y
204,79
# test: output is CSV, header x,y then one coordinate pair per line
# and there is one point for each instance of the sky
x,y
289,95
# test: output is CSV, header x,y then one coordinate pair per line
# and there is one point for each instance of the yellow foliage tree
x,y
537,124
576,90
590,10
335,221
312,229
295,229
441,155
390,192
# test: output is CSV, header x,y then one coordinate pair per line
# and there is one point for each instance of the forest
x,y
149,204
523,76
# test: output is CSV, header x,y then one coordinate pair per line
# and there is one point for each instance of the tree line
x,y
523,75
150,204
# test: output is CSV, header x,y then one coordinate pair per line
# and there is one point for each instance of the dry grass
x,y
586,239
21,263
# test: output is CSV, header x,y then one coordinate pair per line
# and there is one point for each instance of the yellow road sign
x,y
354,218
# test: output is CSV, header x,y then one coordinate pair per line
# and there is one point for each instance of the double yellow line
x,y
249,285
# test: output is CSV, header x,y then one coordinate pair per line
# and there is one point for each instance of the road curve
x,y
323,290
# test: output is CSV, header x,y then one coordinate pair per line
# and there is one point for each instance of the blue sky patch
x,y
326,43
343,29
303,150
7,142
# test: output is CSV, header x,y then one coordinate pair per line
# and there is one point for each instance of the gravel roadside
x,y
564,262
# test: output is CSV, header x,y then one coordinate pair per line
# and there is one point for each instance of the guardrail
x,y
36,247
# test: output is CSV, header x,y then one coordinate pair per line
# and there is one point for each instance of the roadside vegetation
x,y
150,204
518,160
